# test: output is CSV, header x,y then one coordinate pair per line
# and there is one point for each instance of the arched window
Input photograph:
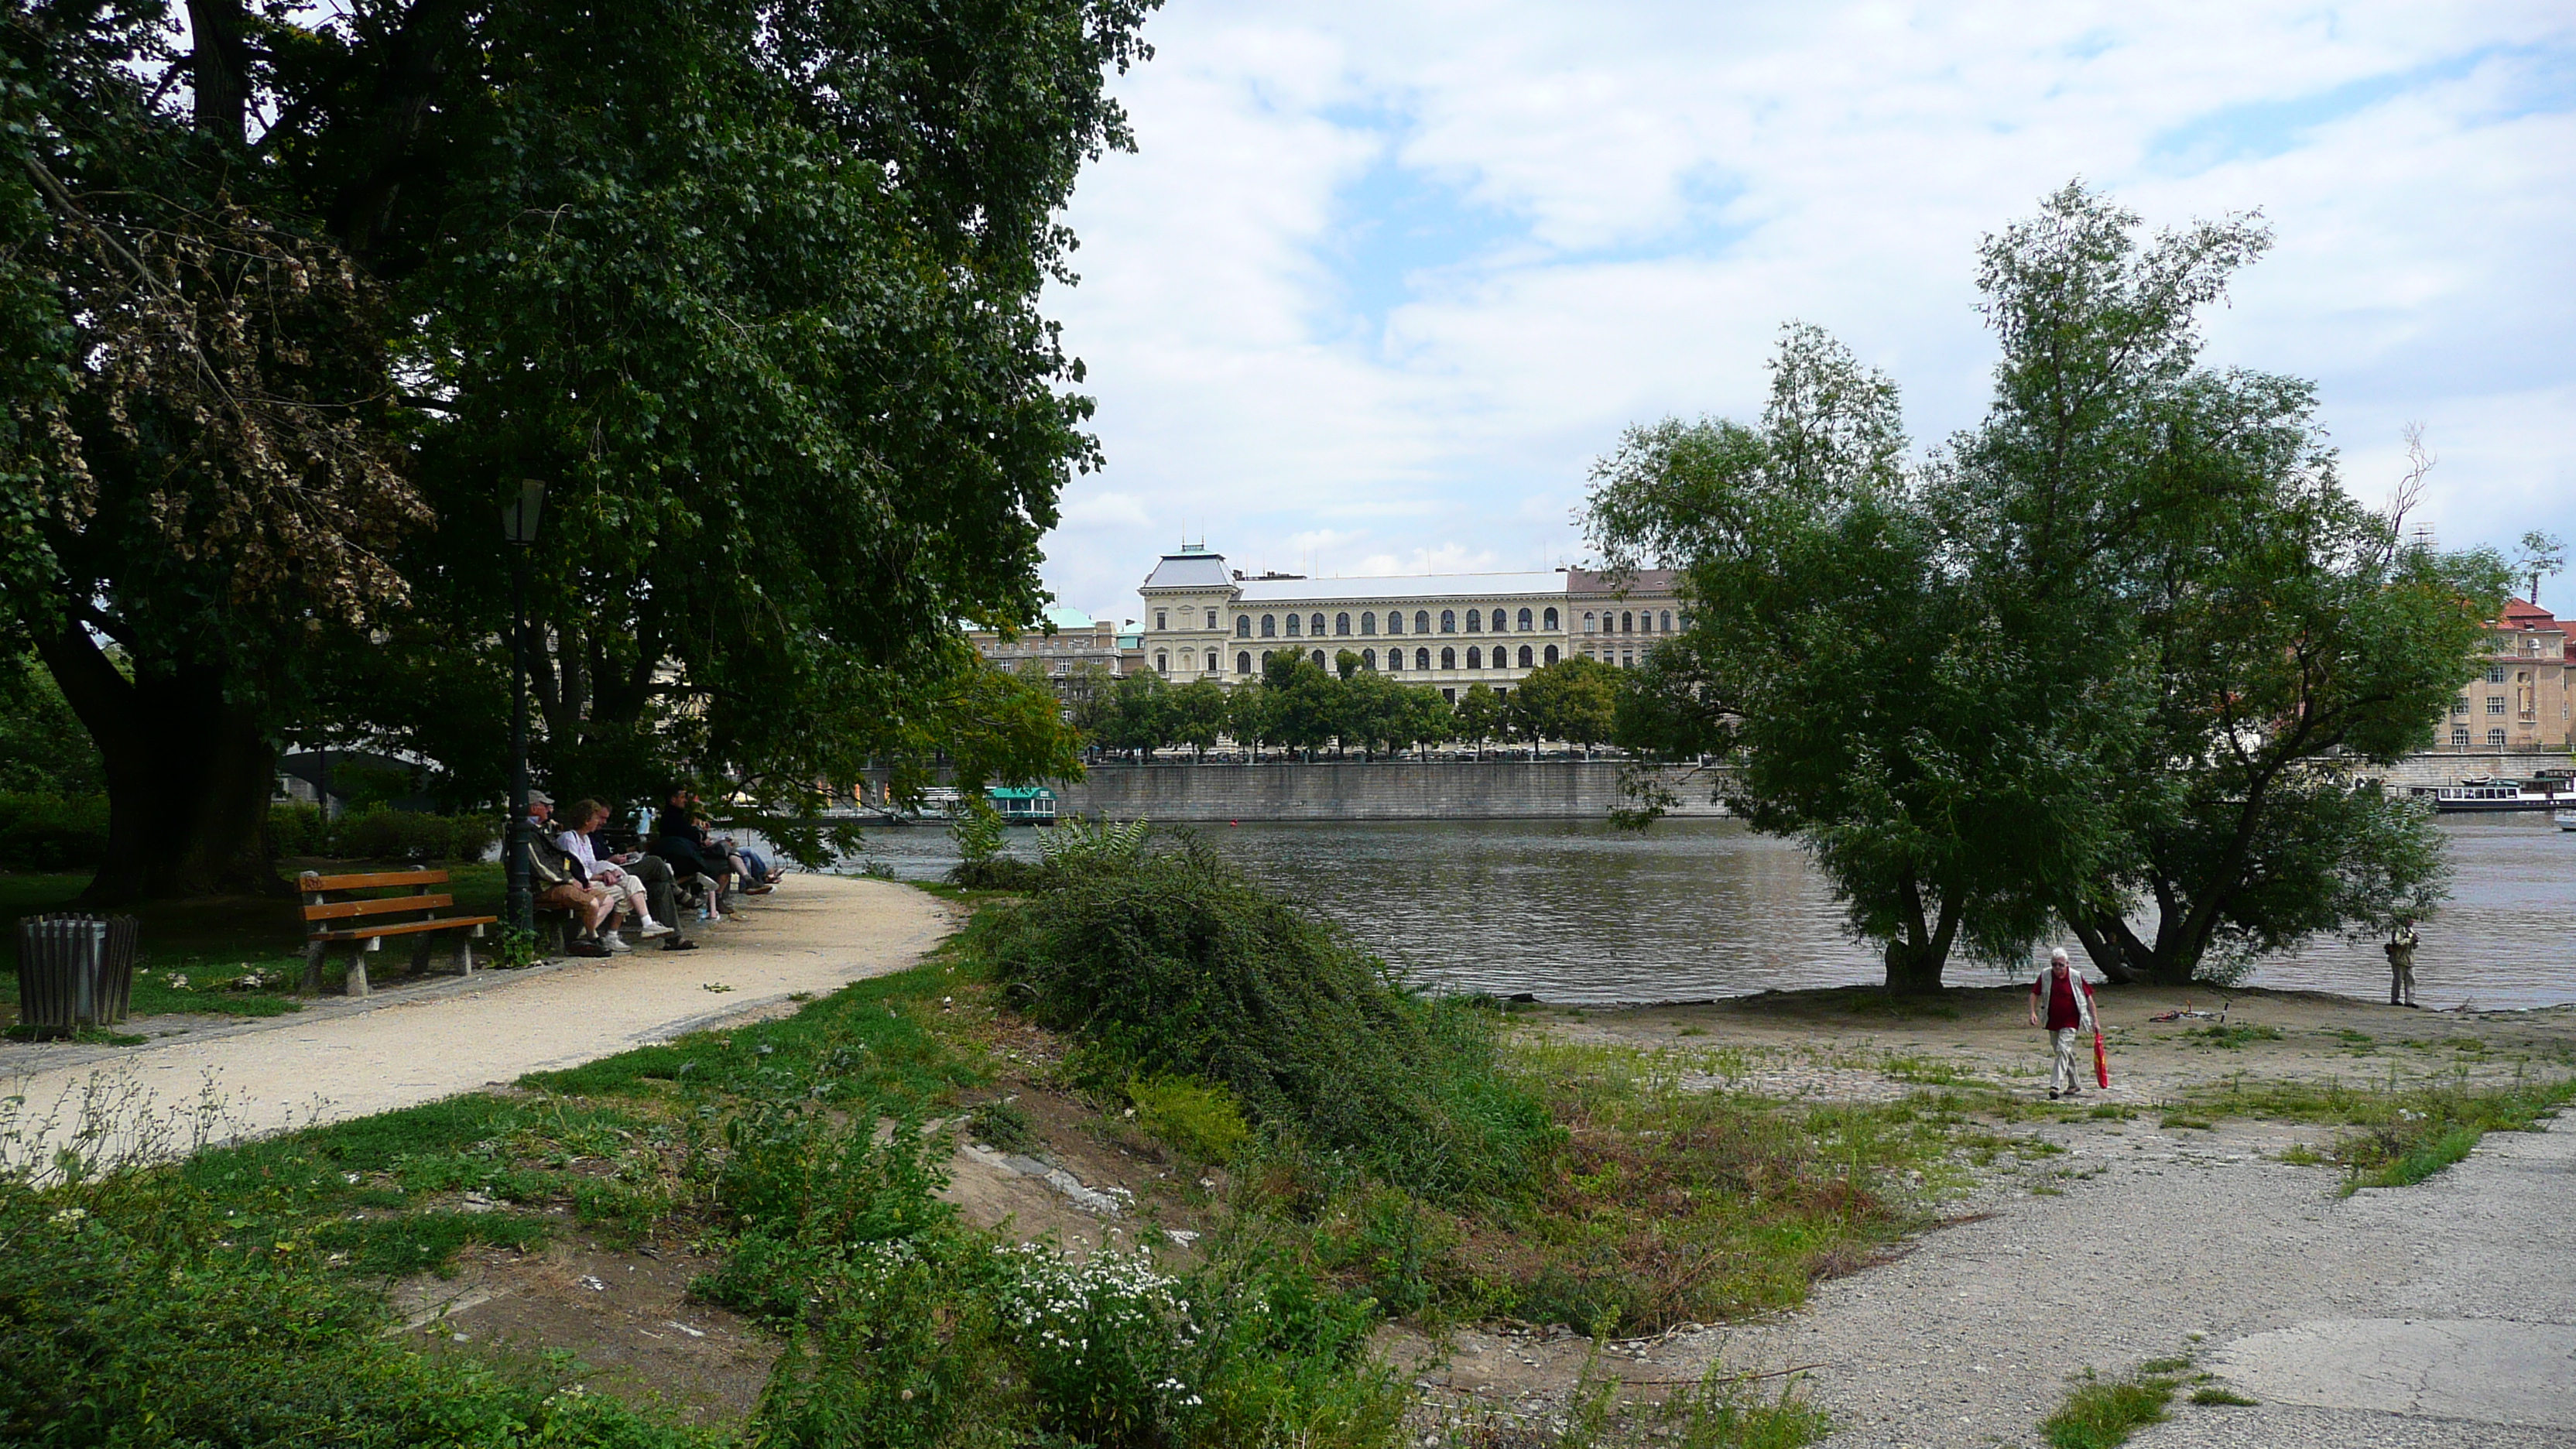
x,y
1319,654
1243,662
1550,656
1269,628
1162,664
1589,626
1668,621
1475,659
1318,630
1475,621
1421,658
1448,658
1422,621
1341,623
1448,621
1525,621
1627,623
1498,621
1368,660
1525,656
1550,626
1265,659
1296,623
1243,626
1395,621
1368,623
1395,661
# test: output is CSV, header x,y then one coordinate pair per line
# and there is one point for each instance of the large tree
x,y
751,286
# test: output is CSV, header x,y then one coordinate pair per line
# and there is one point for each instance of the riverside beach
x,y
2186,1221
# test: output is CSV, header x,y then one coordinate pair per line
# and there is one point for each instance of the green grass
x,y
2400,1133
2215,1396
2100,1415
2231,1038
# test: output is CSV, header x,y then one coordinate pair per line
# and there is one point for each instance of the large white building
x,y
1203,620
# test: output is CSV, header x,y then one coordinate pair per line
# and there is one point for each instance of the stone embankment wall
x,y
1500,788
2445,767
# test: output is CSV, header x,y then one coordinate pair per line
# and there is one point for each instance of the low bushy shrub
x,y
1175,965
52,832
1200,1119
380,833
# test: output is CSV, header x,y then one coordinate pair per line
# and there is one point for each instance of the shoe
x,y
710,918
762,889
652,929
588,947
2052,1094
679,943
615,942
2075,1091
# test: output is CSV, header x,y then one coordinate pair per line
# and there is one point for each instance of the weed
x,y
1002,1124
423,1242
2175,1122
2218,1396
1199,1119
1723,1411
2100,1415
2230,1038
2300,1154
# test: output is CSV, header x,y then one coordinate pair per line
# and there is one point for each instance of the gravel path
x,y
416,1043
2441,1314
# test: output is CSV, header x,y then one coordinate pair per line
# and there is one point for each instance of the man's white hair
x,y
2057,955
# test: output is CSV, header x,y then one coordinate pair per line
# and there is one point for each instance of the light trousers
x,y
2062,1075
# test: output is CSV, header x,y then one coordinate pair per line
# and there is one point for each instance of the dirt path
x,y
2441,1314
416,1043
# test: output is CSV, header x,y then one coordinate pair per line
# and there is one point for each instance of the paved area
x,y
341,1058
2440,1314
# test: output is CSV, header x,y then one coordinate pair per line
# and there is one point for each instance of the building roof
x,y
1399,586
1070,621
1192,567
2520,615
1635,581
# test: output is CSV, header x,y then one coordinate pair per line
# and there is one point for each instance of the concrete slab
x,y
2490,1371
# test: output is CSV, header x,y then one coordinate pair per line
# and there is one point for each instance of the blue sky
x,y
1384,280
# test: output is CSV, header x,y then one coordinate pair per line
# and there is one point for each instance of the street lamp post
x,y
519,525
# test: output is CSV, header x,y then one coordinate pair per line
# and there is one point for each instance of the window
x,y
1450,695
1422,621
1627,660
1448,621
2495,674
1550,626
1421,658
1319,658
1368,623
2495,704
1295,623
1395,621
1475,621
1368,660
1318,630
2459,737
1269,628
1627,623
1161,620
1341,623
1395,661
1475,659
2495,739
1589,625
1243,626
1162,664
1448,658
1525,656
1211,661
2460,705
1668,621
1211,623
1243,662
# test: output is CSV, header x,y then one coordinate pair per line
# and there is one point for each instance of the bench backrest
x,y
319,910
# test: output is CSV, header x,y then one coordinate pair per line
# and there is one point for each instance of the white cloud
x,y
1384,280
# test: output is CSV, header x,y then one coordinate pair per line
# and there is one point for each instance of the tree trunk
x,y
189,777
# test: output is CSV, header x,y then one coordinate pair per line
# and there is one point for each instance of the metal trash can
x,y
74,971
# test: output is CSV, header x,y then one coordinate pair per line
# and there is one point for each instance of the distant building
x,y
2522,700
1204,620
1075,650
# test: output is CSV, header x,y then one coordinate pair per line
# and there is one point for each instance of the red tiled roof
x,y
2521,615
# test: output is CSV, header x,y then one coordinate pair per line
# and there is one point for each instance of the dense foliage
x,y
752,287
1297,704
2127,643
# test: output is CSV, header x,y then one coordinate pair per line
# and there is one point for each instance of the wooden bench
x,y
365,929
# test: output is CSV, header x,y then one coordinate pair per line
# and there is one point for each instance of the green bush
x,y
379,833
1175,965
296,828
52,832
1202,1120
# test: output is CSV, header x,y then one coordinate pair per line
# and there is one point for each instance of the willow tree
x,y
753,287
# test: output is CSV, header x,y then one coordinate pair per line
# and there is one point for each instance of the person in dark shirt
x,y
2061,1004
681,841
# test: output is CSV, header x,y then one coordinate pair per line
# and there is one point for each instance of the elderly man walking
x,y
2061,1003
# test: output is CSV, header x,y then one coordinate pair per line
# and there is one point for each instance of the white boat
x,y
2485,795
2566,819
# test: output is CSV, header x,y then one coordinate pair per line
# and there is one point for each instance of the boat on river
x,y
2566,819
2487,795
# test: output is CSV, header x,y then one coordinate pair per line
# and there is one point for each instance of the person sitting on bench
x,y
631,874
683,843
556,879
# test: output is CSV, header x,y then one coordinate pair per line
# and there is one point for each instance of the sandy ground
x,y
417,1041
2441,1314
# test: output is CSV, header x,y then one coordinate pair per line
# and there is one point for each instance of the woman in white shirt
x,y
587,816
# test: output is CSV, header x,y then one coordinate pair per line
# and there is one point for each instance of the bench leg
x,y
420,953
464,954
313,969
358,968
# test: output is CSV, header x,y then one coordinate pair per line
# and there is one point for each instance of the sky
x,y
1382,281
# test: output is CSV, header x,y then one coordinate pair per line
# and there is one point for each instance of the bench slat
x,y
309,883
340,910
404,928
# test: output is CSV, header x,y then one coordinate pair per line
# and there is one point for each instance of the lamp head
x,y
519,517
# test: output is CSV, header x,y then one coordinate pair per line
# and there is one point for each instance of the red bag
x,y
2101,1060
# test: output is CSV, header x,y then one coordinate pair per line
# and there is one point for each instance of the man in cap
x,y
2061,1004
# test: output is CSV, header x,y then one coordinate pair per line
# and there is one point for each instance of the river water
x,y
1581,914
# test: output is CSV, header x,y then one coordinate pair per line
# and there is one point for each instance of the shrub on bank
x,y
52,832
380,833
1175,965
